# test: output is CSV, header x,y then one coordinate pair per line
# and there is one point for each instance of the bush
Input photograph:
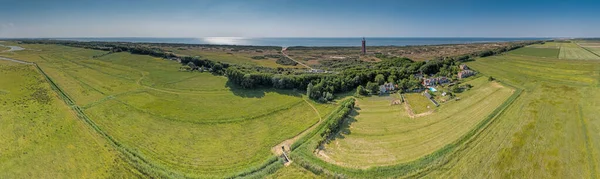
x,y
283,60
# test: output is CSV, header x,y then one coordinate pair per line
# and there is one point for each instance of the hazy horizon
x,y
288,19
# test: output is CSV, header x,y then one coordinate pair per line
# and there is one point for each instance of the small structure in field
x,y
427,95
463,67
386,87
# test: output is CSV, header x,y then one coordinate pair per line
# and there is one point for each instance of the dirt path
x,y
284,54
12,48
288,143
17,61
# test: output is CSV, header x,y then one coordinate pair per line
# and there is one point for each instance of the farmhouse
x,y
464,71
465,74
435,81
387,87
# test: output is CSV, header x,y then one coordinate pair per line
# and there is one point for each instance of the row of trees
x,y
322,87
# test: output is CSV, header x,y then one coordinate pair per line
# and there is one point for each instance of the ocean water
x,y
315,42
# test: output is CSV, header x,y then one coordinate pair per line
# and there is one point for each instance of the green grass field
x,y
595,50
379,134
547,45
40,137
293,171
539,119
551,131
231,57
181,122
573,51
537,52
419,103
548,128
577,53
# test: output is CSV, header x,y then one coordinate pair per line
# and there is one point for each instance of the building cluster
x,y
387,87
465,72
435,81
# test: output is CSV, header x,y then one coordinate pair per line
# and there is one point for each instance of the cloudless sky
x,y
299,18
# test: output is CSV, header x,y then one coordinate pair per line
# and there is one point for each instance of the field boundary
x,y
416,168
589,50
139,162
288,142
410,112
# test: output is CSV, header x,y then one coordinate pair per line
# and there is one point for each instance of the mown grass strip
x,y
591,51
144,165
306,158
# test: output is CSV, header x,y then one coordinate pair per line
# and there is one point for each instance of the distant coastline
x,y
310,42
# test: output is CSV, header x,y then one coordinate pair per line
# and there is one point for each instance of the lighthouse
x,y
364,47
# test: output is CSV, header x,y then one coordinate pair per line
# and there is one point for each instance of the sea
x,y
309,42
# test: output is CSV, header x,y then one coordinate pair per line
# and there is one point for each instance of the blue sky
x,y
305,18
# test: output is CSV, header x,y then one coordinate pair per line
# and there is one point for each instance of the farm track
x,y
277,149
588,144
284,54
16,61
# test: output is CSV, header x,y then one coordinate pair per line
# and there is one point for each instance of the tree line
x,y
365,78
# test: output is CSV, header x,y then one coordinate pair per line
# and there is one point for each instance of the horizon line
x,y
92,37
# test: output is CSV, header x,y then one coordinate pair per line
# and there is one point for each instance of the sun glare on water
x,y
224,40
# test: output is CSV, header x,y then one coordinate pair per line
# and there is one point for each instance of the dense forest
x,y
365,76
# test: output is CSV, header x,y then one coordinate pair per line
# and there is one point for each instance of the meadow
x,y
131,116
537,52
232,57
561,50
575,52
551,131
380,134
595,50
418,103
181,124
592,46
539,119
41,138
